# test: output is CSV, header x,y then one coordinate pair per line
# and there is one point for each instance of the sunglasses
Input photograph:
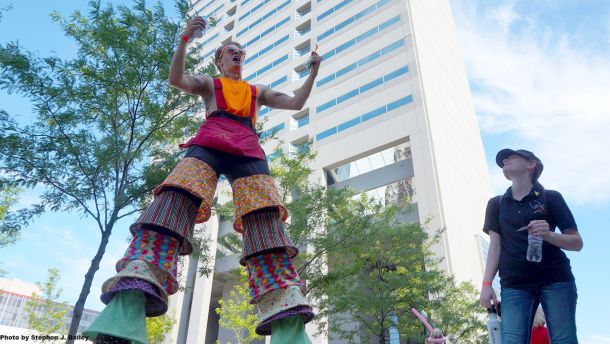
x,y
233,51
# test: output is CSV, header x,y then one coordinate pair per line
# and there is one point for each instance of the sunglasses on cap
x,y
233,51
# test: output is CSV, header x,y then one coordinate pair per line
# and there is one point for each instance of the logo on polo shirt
x,y
538,207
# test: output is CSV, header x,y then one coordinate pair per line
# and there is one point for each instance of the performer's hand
x,y
197,23
315,63
540,228
487,295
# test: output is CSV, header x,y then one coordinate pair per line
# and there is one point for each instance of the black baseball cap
x,y
505,153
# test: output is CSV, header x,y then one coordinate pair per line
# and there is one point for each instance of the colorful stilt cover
x,y
289,330
124,317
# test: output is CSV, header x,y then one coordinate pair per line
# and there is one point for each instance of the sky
x,y
539,76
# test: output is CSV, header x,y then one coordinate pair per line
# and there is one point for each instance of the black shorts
x,y
231,166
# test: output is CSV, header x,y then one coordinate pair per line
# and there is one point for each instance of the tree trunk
x,y
82,298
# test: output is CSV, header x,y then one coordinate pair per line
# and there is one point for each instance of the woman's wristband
x,y
184,38
487,283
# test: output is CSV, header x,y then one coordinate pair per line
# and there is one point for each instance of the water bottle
x,y
534,248
494,326
199,33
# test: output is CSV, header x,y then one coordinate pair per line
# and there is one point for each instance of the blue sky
x,y
540,77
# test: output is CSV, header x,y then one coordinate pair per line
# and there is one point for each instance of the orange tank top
x,y
238,98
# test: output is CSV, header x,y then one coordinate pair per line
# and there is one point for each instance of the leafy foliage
x,y
45,315
8,197
237,314
158,328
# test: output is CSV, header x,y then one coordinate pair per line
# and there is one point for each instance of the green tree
x,y
8,198
8,234
458,314
237,314
45,315
159,327
382,272
363,261
98,119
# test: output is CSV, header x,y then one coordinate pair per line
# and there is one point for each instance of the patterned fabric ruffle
x,y
279,301
157,249
171,212
155,305
138,269
252,193
263,232
305,312
269,272
196,177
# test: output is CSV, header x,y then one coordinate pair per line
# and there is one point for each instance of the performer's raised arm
x,y
279,100
192,84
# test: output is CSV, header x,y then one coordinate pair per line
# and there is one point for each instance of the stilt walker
x,y
225,144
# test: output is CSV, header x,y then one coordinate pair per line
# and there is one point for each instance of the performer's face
x,y
232,58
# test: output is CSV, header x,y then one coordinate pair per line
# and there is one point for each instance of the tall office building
x,y
390,114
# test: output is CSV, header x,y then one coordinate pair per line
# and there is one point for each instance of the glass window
x,y
264,33
326,34
400,102
280,60
394,193
395,74
326,105
349,124
252,41
258,21
330,11
347,96
303,73
303,121
342,4
264,69
328,55
326,133
272,131
264,110
371,162
325,80
389,23
371,85
345,46
373,114
298,147
278,81
345,70
365,12
344,24
392,46
369,58
368,34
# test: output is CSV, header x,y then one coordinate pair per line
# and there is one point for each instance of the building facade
x,y
15,294
390,114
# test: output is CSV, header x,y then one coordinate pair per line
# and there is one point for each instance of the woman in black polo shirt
x,y
528,206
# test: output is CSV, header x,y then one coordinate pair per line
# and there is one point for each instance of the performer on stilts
x,y
225,144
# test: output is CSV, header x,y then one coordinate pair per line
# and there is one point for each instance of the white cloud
x,y
549,94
